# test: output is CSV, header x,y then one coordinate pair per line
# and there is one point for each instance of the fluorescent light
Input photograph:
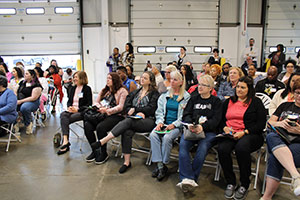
x,y
173,49
35,11
199,49
63,10
297,49
146,49
8,11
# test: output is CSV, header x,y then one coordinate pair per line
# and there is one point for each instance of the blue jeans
x,y
161,145
27,108
192,170
275,169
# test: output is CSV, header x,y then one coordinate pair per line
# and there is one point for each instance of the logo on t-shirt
x,y
202,106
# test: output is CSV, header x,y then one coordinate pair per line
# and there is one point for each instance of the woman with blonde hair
x,y
168,120
227,88
165,85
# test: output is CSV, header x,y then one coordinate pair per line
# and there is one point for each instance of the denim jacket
x,y
225,89
161,110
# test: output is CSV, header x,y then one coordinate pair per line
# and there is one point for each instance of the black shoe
x,y
53,111
229,192
155,172
96,145
66,148
240,193
124,168
100,157
162,173
91,157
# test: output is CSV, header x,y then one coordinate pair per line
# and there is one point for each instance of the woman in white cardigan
x,y
284,95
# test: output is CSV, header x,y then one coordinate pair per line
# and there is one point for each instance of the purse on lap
x,y
189,135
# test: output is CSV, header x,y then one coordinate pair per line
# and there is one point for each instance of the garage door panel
x,y
283,33
174,5
179,23
154,58
40,34
284,6
274,41
174,15
168,41
174,32
284,24
284,16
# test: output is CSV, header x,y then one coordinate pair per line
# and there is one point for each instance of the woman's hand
x,y
227,130
141,114
159,126
19,102
238,135
196,128
131,111
294,129
103,110
170,127
72,109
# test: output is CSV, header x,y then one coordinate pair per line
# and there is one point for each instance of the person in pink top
x,y
4,68
80,96
243,121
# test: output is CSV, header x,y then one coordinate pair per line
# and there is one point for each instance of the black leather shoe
x,y
96,145
162,173
64,149
155,172
124,168
100,157
90,157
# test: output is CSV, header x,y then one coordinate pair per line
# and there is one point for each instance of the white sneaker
x,y
18,135
296,185
29,129
187,185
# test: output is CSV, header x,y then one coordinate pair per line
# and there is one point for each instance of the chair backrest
x,y
264,98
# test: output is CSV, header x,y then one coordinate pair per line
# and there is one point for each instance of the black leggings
x,y
243,149
127,129
101,128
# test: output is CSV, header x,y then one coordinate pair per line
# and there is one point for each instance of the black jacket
x,y
86,100
210,108
263,85
149,110
255,117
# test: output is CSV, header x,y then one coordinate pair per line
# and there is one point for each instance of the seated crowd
x,y
217,107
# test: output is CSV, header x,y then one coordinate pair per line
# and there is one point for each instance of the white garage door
x,y
283,26
162,24
56,31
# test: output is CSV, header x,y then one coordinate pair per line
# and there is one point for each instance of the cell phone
x,y
163,128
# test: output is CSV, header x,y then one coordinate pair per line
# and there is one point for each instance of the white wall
x,y
118,38
229,44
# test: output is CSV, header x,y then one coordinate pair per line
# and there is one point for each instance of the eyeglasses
x,y
297,93
203,85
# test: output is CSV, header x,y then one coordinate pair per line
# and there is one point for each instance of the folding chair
x,y
9,129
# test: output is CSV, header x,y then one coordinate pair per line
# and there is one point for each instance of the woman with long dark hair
x,y
128,55
243,121
18,76
109,103
189,76
278,57
284,95
140,106
56,87
29,93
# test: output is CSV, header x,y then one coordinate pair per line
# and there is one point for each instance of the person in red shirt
x,y
56,79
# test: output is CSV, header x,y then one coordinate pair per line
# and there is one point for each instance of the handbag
x,y
93,115
189,135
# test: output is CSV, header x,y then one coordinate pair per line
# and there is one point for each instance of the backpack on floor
x,y
57,140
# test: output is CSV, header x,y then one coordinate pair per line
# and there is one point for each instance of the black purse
x,y
93,115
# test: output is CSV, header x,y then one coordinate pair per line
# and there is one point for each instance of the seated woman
x,y
243,121
289,69
8,104
227,88
130,84
18,76
168,118
110,103
201,106
284,95
215,72
190,80
252,73
80,97
44,97
284,155
29,93
165,85
4,68
143,103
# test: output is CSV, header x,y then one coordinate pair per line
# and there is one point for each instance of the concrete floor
x,y
32,170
